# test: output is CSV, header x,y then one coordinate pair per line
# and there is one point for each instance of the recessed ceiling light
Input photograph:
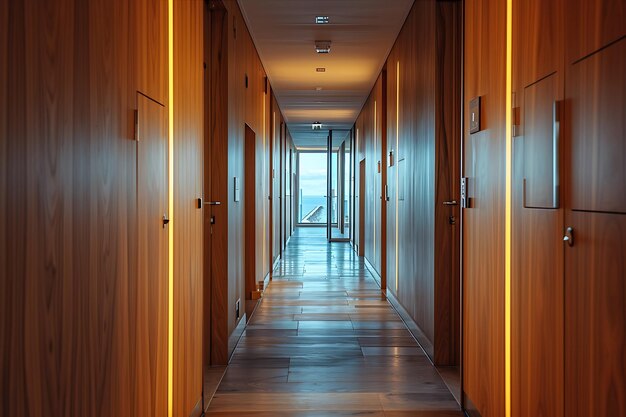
x,y
320,69
321,20
316,126
322,47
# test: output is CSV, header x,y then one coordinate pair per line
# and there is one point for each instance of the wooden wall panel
x,y
188,216
72,298
153,260
251,200
419,95
150,34
537,246
216,185
448,45
595,371
240,97
595,132
372,141
596,86
483,223
592,25
275,189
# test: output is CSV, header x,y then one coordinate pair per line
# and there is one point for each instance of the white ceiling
x,y
361,31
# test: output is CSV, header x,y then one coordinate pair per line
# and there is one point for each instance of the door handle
x,y
569,236
450,203
166,220
213,203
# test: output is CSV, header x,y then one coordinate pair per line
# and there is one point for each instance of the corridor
x,y
324,343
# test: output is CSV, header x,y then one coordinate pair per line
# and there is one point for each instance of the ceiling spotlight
x,y
316,126
322,47
320,69
321,20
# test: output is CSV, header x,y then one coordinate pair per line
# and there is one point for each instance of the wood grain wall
x,y
276,124
566,61
188,218
416,138
84,328
483,223
537,250
247,100
371,143
75,329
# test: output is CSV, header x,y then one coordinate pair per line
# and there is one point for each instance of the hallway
x,y
323,343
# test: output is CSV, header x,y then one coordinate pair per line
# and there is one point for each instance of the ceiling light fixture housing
x,y
320,69
322,20
316,126
322,47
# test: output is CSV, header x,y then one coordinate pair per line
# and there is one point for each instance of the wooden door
x,y
595,253
275,188
152,279
216,187
361,197
250,206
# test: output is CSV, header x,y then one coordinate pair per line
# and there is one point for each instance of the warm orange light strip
x,y
265,201
170,301
395,161
508,205
376,168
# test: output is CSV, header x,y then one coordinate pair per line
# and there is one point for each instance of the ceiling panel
x,y
361,33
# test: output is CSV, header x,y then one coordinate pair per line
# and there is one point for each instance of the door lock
x,y
569,236
166,220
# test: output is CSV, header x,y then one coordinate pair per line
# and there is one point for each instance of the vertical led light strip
x,y
170,153
376,168
507,218
265,189
395,161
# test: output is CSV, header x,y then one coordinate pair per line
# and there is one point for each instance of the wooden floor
x,y
323,342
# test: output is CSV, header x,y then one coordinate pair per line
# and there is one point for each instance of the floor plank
x,y
325,342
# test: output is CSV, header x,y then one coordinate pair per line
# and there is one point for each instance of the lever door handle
x,y
213,203
450,203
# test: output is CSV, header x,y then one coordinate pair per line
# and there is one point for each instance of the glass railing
x,y
313,209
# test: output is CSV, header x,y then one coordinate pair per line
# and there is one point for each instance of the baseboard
x,y
470,409
276,262
209,391
413,327
235,336
197,409
266,281
374,272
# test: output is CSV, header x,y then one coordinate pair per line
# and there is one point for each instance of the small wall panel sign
x,y
474,115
